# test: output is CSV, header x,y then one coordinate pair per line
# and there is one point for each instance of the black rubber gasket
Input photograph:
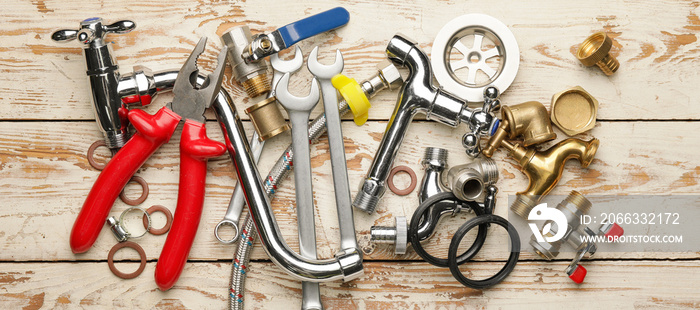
x,y
507,268
418,214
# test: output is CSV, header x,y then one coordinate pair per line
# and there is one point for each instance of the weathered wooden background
x,y
647,123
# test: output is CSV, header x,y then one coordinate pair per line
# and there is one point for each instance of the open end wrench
x,y
299,110
339,167
235,206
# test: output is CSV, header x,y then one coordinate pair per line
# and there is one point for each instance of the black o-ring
x,y
415,240
507,268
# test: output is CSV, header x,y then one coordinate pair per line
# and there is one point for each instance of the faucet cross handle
x,y
92,30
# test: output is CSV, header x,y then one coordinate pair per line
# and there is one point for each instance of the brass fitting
x,y
529,120
544,169
253,76
595,50
267,119
574,111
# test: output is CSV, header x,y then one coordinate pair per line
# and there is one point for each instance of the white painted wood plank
x,y
44,179
656,44
385,286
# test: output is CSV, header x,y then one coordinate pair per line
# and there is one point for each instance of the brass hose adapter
x,y
529,120
544,169
595,50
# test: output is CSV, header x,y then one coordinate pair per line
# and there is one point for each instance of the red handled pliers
x,y
189,104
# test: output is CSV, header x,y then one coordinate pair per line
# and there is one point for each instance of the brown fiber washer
x,y
117,247
91,154
407,190
144,192
168,220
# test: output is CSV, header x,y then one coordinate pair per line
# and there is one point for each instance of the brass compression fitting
x,y
544,169
595,50
265,115
252,76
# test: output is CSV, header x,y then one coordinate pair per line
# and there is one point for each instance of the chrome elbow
x,y
434,161
346,266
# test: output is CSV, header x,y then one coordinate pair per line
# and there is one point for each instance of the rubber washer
x,y
126,244
416,219
501,274
91,154
407,190
168,220
144,192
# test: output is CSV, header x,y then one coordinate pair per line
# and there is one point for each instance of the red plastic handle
x,y
578,274
153,131
195,149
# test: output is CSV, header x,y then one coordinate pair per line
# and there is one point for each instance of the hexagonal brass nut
x,y
574,111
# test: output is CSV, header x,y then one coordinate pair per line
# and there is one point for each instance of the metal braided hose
x,y
279,171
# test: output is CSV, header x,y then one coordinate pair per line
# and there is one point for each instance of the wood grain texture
x,y
656,44
645,161
622,285
647,124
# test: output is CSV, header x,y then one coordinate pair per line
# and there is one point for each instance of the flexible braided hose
x,y
279,171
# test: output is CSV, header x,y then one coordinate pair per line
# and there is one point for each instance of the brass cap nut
x,y
574,111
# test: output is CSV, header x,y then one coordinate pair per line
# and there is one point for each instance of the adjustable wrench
x,y
233,213
339,167
299,110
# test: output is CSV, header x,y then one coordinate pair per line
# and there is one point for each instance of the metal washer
x,y
450,34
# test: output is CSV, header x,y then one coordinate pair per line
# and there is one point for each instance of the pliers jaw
x,y
192,93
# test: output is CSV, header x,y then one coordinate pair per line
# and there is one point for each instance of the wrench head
x,y
294,103
322,71
284,66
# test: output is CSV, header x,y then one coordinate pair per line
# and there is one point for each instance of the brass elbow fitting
x,y
544,169
529,120
595,50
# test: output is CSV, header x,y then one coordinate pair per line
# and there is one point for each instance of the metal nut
x,y
595,50
390,74
574,111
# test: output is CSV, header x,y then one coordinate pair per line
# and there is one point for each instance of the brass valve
x,y
544,169
529,120
595,50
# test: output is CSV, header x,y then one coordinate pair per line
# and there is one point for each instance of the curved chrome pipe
x,y
418,94
346,266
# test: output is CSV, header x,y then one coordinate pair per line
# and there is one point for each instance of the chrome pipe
x,y
419,95
345,266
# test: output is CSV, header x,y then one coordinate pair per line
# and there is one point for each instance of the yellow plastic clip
x,y
354,96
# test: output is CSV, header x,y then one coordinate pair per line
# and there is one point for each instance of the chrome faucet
x,y
112,91
418,94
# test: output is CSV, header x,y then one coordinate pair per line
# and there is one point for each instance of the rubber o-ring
x,y
168,220
144,192
501,274
91,154
407,190
126,244
416,219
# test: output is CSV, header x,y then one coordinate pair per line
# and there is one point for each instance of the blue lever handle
x,y
313,25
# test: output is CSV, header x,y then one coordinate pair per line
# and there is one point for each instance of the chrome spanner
x,y
339,166
299,110
235,206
